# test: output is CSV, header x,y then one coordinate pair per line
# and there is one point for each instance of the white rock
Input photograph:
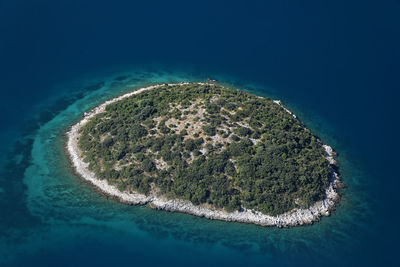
x,y
291,218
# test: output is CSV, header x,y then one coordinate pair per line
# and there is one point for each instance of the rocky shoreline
x,y
292,218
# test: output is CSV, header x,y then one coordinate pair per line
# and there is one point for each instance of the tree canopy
x,y
208,144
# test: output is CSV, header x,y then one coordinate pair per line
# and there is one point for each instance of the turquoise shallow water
x,y
336,64
64,221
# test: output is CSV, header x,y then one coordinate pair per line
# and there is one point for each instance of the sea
x,y
335,64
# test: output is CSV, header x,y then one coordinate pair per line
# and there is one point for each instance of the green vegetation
x,y
210,145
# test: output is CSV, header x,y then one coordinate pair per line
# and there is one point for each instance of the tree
x,y
209,130
242,131
136,131
108,141
190,144
234,204
148,165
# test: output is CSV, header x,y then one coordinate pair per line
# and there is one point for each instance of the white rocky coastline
x,y
291,218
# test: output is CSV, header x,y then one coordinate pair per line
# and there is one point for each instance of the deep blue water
x,y
336,64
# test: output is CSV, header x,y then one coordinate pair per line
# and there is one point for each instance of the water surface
x,y
335,65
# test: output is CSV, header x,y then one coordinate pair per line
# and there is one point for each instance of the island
x,y
206,150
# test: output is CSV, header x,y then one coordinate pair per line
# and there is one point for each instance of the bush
x,y
242,131
190,144
108,141
235,138
148,165
136,131
209,130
